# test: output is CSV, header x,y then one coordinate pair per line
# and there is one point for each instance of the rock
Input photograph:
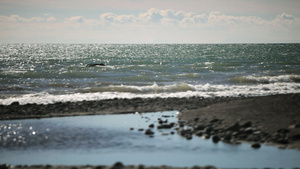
x,y
255,145
234,127
247,124
199,127
294,126
140,166
227,137
4,166
165,126
282,141
214,120
188,136
151,125
206,136
199,133
117,165
295,137
283,131
215,139
15,104
131,128
140,129
172,132
196,119
248,130
149,132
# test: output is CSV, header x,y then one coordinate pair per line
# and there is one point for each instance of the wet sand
x,y
259,120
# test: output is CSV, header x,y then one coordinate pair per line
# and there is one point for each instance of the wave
x,y
182,87
183,90
265,79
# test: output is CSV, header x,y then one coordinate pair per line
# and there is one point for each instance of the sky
x,y
149,21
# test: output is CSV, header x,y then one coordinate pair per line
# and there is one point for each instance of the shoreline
x,y
273,119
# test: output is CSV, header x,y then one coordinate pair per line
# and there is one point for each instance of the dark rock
x,y
140,166
206,136
131,128
255,145
15,104
227,137
188,136
148,132
140,129
248,130
4,166
234,127
295,137
283,131
165,126
151,125
196,119
282,141
247,124
215,139
95,64
117,165
208,130
199,133
214,120
199,127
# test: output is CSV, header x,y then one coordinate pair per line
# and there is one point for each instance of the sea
x,y
49,73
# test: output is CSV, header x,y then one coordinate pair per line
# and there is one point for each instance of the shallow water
x,y
105,139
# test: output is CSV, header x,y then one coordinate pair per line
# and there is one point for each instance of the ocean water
x,y
47,73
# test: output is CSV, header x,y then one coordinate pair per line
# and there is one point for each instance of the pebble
x,y
149,132
255,145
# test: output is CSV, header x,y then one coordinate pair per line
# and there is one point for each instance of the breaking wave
x,y
265,79
182,90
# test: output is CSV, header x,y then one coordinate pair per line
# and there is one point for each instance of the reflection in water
x,y
105,139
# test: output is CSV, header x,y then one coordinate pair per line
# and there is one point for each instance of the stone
x,y
15,104
148,132
282,141
199,133
283,131
234,127
248,130
199,127
118,165
188,136
295,137
206,136
215,139
294,126
255,145
247,124
151,125
214,120
227,137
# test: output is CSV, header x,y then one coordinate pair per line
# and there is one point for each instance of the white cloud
x,y
154,26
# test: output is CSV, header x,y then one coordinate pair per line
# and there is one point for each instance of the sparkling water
x,y
47,73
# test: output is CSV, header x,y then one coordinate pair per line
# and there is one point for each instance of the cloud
x,y
76,19
154,26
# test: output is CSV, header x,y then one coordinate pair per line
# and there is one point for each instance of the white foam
x,y
186,90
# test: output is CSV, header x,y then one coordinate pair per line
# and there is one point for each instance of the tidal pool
x,y
106,139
